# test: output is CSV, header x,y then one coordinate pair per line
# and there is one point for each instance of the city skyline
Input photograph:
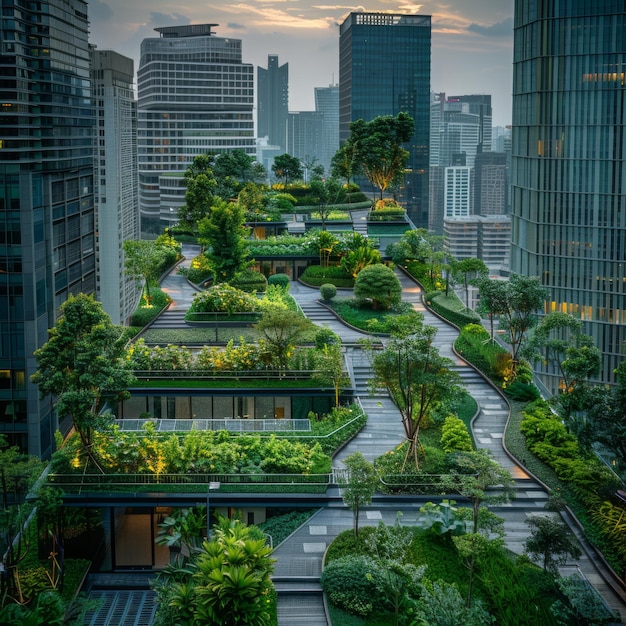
x,y
471,42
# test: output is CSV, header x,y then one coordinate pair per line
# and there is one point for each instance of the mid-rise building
x,y
569,164
457,197
384,69
273,102
115,176
491,183
47,238
195,96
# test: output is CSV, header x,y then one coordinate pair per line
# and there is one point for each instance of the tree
x,y
343,165
379,285
324,242
233,170
524,296
143,260
287,167
281,329
475,476
227,581
551,542
199,194
328,194
224,234
492,299
330,368
360,486
469,271
81,364
377,149
417,378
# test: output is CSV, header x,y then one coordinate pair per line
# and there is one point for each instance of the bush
x,y
145,314
279,279
328,291
377,285
316,276
521,391
454,435
250,281
198,271
223,298
326,337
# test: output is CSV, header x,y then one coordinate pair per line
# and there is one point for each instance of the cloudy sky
x,y
471,39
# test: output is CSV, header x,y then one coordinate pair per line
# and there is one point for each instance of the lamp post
x,y
212,486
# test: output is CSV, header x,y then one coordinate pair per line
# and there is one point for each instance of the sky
x,y
472,40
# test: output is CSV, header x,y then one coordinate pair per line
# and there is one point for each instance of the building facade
x,y
384,68
568,164
327,106
47,228
195,95
273,102
115,178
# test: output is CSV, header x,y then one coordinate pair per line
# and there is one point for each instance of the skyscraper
x,y
384,68
273,102
569,166
47,244
194,96
327,105
115,163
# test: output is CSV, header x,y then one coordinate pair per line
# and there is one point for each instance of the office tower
x,y
304,137
327,105
273,102
490,183
46,197
115,176
384,68
569,166
457,191
480,105
194,96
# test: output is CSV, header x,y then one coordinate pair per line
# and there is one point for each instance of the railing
x,y
262,374
231,425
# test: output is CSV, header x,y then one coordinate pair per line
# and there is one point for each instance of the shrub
x,y
145,314
198,271
316,275
279,279
326,337
522,391
378,285
223,298
250,281
328,291
454,435
353,583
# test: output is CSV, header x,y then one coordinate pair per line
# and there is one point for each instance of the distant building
x,y
569,164
46,198
327,105
304,136
195,96
273,102
491,184
384,68
480,105
457,191
115,175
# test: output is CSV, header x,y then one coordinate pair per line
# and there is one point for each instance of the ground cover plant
x,y
371,320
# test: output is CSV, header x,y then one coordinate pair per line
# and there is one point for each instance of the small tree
x,y
360,486
281,329
492,300
143,260
329,368
379,285
469,271
287,167
551,542
199,194
225,234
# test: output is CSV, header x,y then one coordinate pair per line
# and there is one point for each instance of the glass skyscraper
x,y
384,68
568,163
273,102
47,245
194,96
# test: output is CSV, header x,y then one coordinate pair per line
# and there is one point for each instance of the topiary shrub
x,y
279,279
250,281
328,291
454,435
378,286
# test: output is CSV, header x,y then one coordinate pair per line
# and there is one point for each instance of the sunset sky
x,y
472,40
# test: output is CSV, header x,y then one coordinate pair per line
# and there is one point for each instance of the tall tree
x,y
343,165
81,364
377,148
418,379
492,300
360,485
233,170
201,185
224,234
287,168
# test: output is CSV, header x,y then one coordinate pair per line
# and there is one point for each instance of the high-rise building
x,y
304,136
569,165
195,95
327,105
273,102
480,105
384,68
115,175
47,249
457,191
491,183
